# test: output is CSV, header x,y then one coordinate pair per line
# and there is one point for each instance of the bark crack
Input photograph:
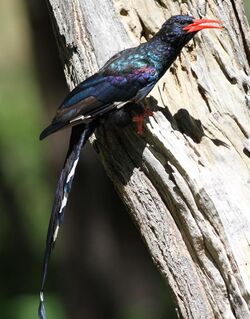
x,y
244,40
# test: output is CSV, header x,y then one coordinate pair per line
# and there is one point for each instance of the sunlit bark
x,y
186,182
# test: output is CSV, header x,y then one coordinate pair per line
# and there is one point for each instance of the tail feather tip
x,y
41,310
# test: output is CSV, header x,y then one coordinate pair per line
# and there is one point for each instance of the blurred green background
x,y
100,267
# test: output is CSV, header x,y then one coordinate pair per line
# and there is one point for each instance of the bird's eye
x,y
182,22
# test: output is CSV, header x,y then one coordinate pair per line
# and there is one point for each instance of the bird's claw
x,y
139,120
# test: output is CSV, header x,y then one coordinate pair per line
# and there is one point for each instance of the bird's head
x,y
179,29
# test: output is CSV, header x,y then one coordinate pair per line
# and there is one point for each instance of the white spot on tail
x,y
72,172
55,233
41,296
64,202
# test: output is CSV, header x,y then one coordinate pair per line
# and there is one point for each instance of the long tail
x,y
79,136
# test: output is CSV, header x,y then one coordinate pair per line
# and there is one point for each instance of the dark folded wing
x,y
99,94
88,100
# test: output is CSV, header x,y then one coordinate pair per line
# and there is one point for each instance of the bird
x,y
123,82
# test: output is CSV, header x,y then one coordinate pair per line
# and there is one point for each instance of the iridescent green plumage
x,y
128,76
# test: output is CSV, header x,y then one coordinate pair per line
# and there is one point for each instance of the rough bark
x,y
186,181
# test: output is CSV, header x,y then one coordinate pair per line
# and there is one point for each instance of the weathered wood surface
x,y
187,180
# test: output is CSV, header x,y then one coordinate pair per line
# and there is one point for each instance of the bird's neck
x,y
162,54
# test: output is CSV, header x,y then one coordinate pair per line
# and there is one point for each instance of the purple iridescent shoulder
x,y
145,74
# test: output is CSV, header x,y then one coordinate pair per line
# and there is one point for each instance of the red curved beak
x,y
200,24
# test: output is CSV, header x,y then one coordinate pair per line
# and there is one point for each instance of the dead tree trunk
x,y
186,182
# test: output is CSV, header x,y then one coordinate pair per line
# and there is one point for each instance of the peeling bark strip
x,y
187,181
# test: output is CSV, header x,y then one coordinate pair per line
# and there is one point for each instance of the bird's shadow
x,y
123,148
193,128
185,123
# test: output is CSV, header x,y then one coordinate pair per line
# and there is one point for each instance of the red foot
x,y
139,119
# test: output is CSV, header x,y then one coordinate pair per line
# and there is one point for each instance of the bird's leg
x,y
130,112
138,119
